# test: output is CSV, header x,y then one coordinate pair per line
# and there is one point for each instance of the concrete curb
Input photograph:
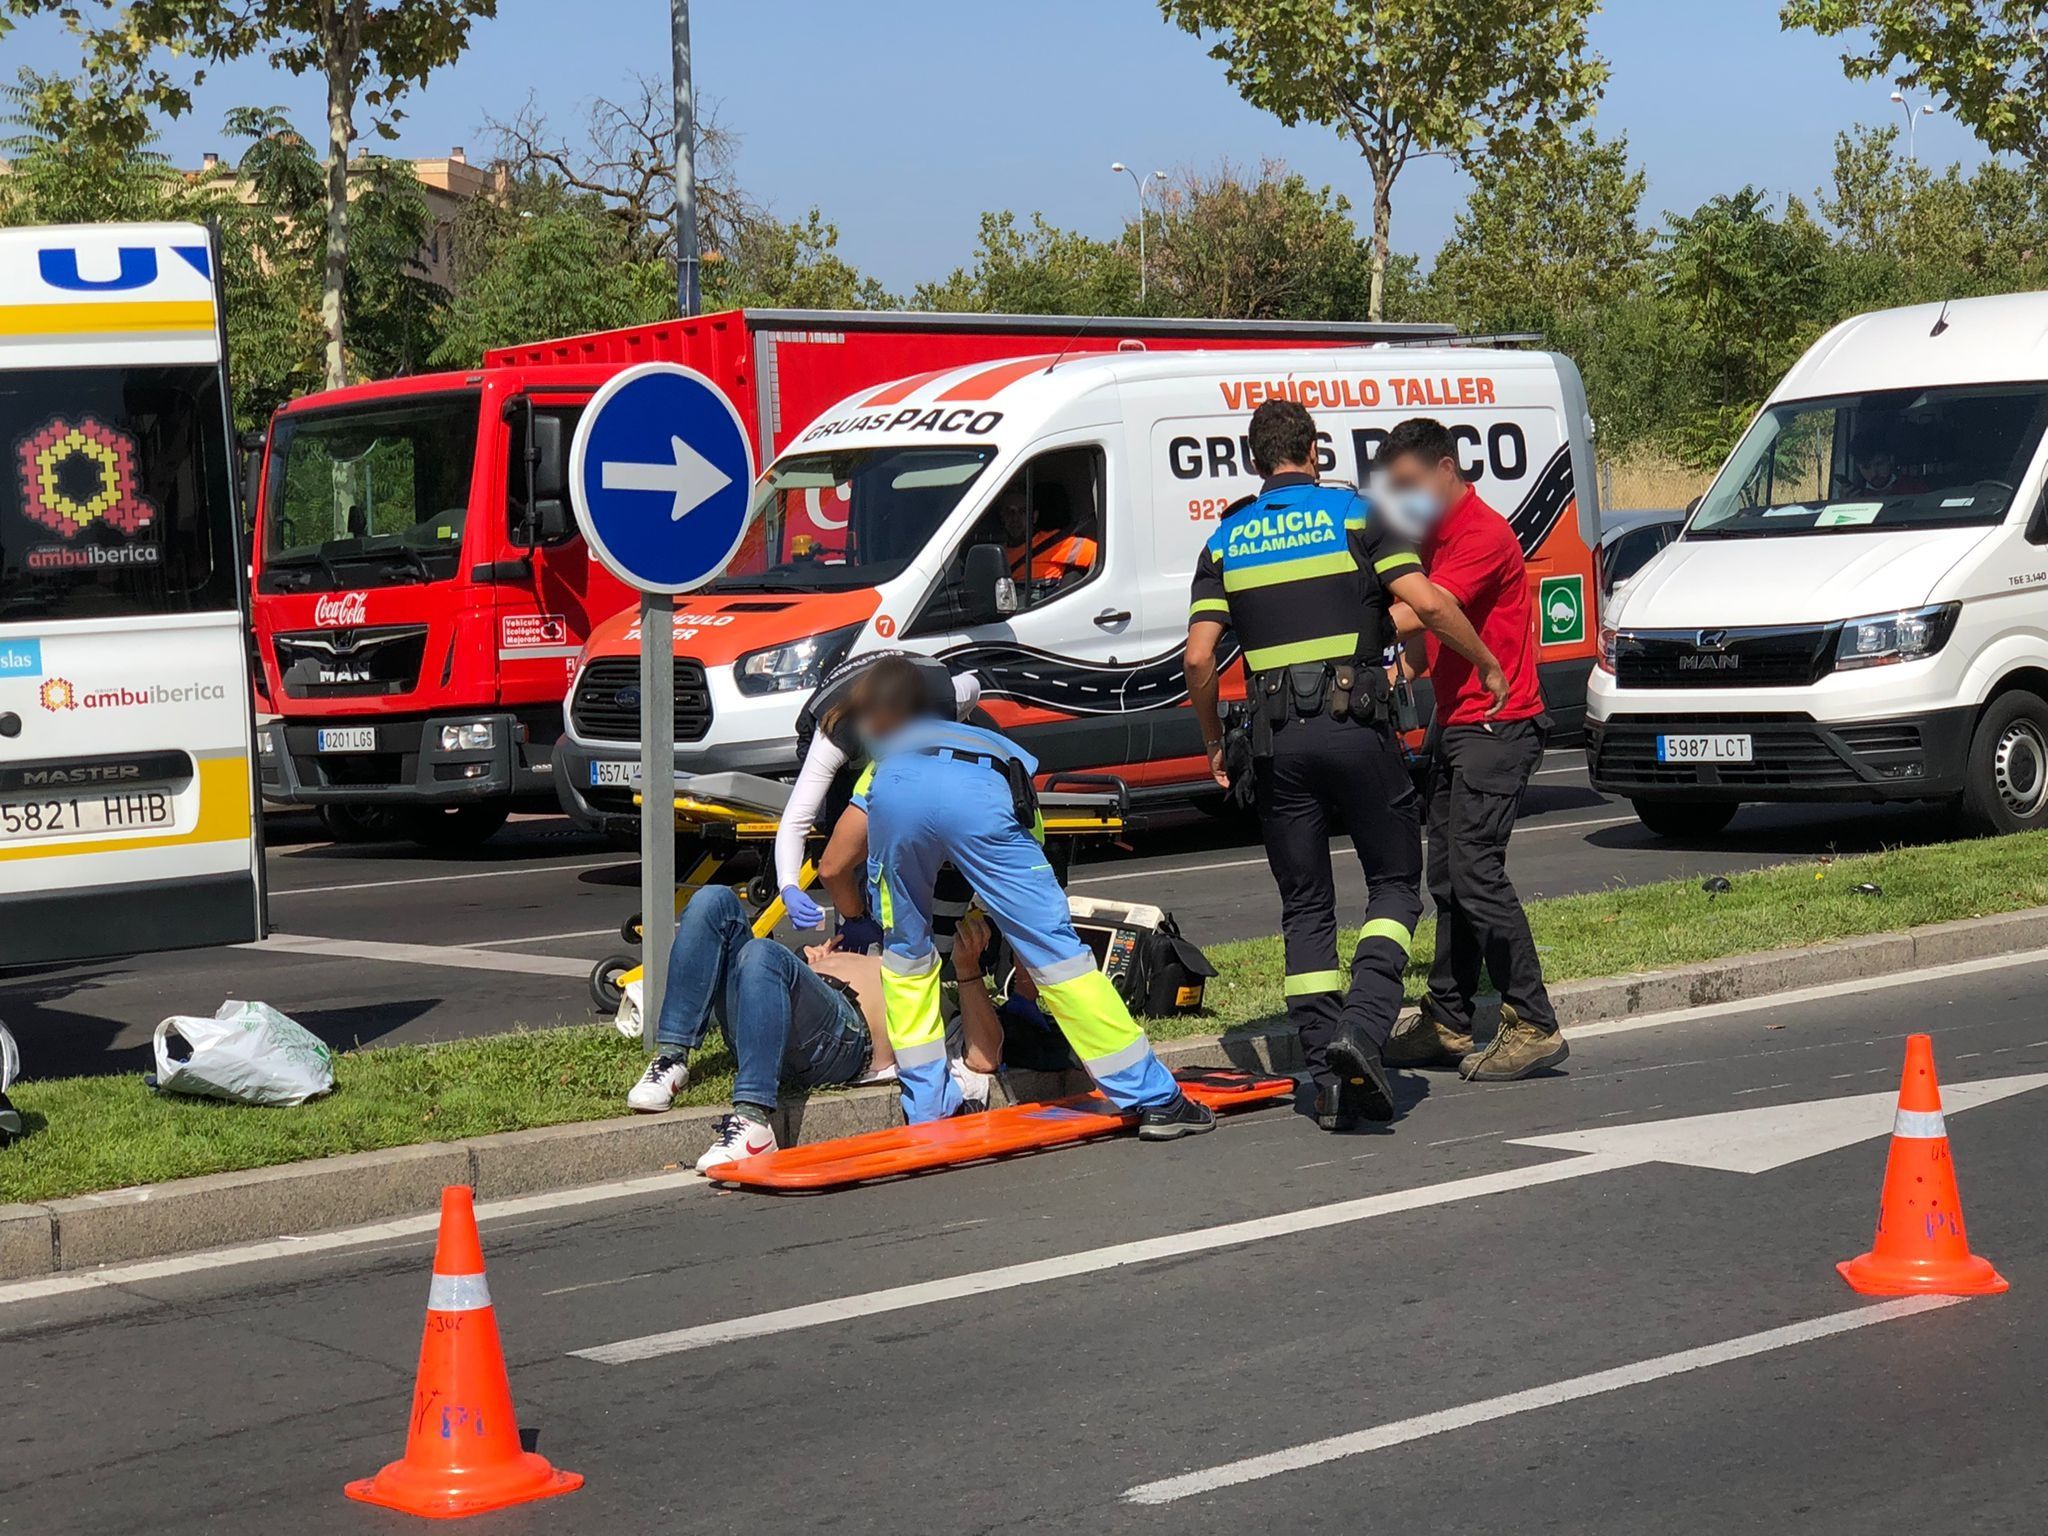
x,y
264,1204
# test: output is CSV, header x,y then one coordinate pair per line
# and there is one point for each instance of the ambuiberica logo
x,y
59,694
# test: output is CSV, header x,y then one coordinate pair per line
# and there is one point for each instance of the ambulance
x,y
1037,522
127,782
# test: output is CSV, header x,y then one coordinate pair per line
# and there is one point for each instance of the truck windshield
x,y
368,496
832,521
1904,458
115,499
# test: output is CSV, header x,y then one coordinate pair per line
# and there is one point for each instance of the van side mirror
x,y
987,593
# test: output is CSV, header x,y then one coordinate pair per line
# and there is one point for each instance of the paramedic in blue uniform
x,y
1302,576
938,791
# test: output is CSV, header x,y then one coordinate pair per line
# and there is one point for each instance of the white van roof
x,y
1965,341
950,404
84,295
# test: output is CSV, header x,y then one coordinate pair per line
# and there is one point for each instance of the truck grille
x,y
1790,657
607,702
351,663
1791,752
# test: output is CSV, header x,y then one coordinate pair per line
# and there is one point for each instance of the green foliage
x,y
767,263
57,175
1478,80
1275,248
1982,60
1036,269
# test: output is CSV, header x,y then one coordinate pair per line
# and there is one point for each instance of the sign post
x,y
660,472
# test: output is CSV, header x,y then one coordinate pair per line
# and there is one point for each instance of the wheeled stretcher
x,y
731,817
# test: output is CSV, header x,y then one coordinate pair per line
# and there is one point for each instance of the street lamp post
x,y
1913,117
1143,184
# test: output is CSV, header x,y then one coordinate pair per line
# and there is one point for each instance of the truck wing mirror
x,y
552,520
987,592
548,452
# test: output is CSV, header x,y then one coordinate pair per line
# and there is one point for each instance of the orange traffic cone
x,y
1920,1246
462,1452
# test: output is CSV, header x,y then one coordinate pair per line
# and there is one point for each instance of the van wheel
x,y
1685,820
455,828
2005,786
360,823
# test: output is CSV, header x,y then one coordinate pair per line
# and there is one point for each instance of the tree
x,y
368,52
58,176
768,263
1548,241
1472,79
1036,269
1275,248
1985,61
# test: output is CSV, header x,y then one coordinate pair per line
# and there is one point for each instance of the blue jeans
x,y
785,1023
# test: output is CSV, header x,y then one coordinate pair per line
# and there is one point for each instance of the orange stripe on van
x,y
903,389
990,382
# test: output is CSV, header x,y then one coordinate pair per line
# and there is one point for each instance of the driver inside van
x,y
1876,468
1039,536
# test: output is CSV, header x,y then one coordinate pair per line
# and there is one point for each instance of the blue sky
x,y
904,119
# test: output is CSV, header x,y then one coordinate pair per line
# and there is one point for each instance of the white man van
x,y
1037,522
1858,608
127,792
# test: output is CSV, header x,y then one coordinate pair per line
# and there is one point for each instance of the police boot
x,y
1426,1041
1361,1092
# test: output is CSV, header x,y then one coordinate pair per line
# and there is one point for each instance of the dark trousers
x,y
1477,774
1324,776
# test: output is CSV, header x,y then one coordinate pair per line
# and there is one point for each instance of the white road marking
x,y
489,1211
450,955
1766,1088
475,874
1401,1431
1524,829
542,938
1751,1141
1799,995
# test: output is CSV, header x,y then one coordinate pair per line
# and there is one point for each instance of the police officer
x,y
1303,575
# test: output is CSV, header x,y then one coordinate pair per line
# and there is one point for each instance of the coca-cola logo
x,y
340,609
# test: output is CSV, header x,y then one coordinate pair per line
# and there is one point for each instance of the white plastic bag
x,y
247,1053
627,1019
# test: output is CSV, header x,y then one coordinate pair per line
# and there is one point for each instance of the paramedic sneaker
x,y
1519,1049
1170,1122
974,1087
739,1136
659,1085
1426,1041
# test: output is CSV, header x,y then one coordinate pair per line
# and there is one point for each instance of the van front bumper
x,y
610,807
1796,757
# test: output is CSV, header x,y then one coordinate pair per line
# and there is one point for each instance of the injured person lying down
x,y
805,1022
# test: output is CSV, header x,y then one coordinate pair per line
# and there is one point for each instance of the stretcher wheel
x,y
761,890
629,930
605,988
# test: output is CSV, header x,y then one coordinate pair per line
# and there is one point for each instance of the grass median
x,y
100,1133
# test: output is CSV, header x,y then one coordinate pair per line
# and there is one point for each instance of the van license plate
x,y
1704,749
128,810
355,738
614,775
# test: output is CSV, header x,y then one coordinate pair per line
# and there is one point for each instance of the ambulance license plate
x,y
127,810
352,738
614,775
1704,749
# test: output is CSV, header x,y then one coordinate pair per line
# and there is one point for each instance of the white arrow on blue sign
x,y
659,475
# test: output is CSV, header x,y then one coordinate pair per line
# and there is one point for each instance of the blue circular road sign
x,y
660,474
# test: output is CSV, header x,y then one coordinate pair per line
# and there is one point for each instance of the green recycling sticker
x,y
1562,600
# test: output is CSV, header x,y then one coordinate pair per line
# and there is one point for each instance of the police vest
x,y
1300,574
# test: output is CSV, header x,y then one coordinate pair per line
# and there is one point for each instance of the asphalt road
x,y
385,943
1437,1329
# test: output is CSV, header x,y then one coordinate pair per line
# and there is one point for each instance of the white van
x,y
880,524
1858,608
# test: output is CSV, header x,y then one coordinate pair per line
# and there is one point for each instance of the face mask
x,y
1412,511
868,743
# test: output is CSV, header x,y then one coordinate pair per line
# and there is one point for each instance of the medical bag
x,y
1155,971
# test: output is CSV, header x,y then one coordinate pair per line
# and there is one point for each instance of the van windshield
x,y
1903,458
826,522
368,496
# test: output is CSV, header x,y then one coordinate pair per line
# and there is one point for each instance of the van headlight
x,y
1885,638
799,664
1603,658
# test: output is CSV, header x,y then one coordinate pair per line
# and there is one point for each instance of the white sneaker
x,y
658,1087
973,1086
739,1136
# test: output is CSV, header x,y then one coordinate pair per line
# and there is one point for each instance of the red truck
x,y
421,592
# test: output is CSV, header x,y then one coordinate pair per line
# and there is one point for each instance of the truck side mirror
x,y
547,450
987,592
251,444
552,520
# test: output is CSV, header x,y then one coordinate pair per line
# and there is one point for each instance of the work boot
x,y
1170,1122
1518,1049
1426,1041
1363,1093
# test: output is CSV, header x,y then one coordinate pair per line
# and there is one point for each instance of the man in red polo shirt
x,y
1478,767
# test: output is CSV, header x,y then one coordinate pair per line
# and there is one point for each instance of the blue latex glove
x,y
803,911
858,935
